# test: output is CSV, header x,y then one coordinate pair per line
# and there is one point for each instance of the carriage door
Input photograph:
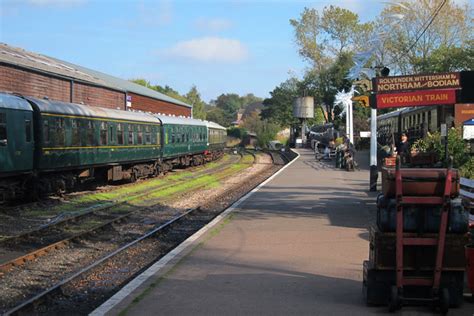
x,y
16,141
5,159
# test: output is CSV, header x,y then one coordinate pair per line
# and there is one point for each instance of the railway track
x,y
118,230
39,242
57,288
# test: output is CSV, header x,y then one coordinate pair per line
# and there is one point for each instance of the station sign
x,y
416,98
418,82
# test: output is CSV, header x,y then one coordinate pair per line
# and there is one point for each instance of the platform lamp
x,y
374,173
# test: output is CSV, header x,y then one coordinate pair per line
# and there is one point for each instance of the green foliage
x,y
231,103
194,98
279,107
447,59
216,115
237,132
440,48
322,37
457,147
467,170
266,132
325,84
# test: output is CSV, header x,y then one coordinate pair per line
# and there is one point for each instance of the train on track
x,y
416,122
52,147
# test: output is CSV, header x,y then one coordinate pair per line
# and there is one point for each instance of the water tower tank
x,y
303,107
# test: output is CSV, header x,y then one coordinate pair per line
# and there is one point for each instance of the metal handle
x,y
3,142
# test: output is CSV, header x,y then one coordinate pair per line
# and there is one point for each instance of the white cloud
x,y
209,49
213,25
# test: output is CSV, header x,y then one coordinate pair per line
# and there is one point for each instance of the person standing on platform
x,y
403,148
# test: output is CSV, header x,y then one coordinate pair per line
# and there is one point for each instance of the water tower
x,y
303,108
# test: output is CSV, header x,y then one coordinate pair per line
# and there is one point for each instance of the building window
x,y
3,127
103,133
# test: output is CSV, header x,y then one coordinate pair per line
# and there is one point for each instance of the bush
x,y
237,132
467,170
457,147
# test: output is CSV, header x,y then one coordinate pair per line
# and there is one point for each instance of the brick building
x,y
40,76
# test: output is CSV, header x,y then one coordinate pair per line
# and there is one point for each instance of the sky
x,y
226,46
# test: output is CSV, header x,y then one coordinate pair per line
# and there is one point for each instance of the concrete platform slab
x,y
295,247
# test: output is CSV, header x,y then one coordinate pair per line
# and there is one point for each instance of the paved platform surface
x,y
295,247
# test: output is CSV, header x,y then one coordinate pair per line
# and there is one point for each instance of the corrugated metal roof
x,y
20,57
8,101
179,120
56,107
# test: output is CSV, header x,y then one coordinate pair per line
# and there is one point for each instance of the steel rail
x,y
5,267
32,301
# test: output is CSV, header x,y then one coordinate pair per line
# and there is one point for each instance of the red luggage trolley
x,y
438,295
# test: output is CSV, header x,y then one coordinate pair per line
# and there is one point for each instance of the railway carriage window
x,y
172,137
3,126
59,132
158,137
76,135
90,133
27,131
120,134
111,134
46,131
130,134
147,135
103,133
139,135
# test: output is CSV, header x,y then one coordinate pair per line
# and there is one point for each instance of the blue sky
x,y
219,46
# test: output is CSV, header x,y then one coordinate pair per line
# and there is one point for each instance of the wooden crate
x,y
382,252
419,182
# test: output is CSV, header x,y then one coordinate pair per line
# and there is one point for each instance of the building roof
x,y
25,59
8,101
72,109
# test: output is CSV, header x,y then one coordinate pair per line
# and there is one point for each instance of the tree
x,y
409,50
249,98
229,103
321,38
216,115
279,107
194,99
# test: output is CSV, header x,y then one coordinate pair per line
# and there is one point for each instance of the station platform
x,y
294,247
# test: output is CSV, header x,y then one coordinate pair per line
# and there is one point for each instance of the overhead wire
x,y
425,27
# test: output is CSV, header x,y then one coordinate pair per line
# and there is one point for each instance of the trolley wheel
x,y
444,301
394,301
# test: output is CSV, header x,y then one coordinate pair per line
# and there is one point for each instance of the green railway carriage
x,y
184,140
217,137
90,139
49,146
16,136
